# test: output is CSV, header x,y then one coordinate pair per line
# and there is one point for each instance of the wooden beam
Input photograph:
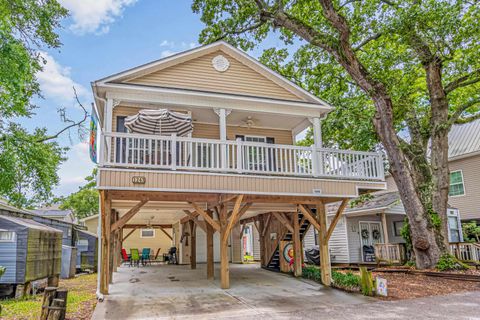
x,y
163,196
105,208
297,247
224,198
242,230
210,253
193,245
166,233
224,267
144,225
308,214
263,227
267,224
233,218
325,267
190,216
281,217
194,217
336,218
127,216
128,234
205,216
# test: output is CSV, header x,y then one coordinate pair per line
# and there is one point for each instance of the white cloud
x,y
73,171
174,47
166,53
94,16
55,81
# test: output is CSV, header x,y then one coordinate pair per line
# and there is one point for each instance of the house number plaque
x,y
139,180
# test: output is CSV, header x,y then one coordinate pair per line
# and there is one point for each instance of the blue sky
x,y
102,37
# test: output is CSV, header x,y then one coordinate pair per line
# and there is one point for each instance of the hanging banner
x,y
93,137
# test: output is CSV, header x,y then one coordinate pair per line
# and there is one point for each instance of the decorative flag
x,y
93,136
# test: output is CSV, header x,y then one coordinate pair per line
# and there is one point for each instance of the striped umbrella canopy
x,y
159,122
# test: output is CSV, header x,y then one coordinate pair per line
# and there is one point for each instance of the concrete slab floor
x,y
169,291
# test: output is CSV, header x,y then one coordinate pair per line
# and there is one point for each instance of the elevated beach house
x,y
206,138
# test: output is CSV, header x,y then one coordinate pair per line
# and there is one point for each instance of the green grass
x,y
81,300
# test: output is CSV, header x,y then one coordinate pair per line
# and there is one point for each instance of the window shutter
x,y
120,154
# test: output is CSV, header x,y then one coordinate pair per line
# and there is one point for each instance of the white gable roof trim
x,y
199,51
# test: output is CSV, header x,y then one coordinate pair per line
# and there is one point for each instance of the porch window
x,y
147,233
456,184
6,236
454,229
397,228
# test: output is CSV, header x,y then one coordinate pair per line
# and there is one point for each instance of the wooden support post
x,y
105,206
224,272
297,247
116,244
193,245
210,254
384,227
325,267
261,234
111,252
120,245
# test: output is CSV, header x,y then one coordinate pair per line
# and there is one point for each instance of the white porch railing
x,y
390,252
465,251
192,154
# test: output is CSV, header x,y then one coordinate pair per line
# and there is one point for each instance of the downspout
x,y
99,295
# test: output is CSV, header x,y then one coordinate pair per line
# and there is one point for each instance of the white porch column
x,y
317,132
222,115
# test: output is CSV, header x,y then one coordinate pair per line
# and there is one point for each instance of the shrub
x,y
346,280
312,273
449,262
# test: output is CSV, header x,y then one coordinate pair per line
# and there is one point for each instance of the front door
x,y
370,234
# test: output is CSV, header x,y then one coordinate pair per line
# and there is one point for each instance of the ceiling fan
x,y
249,122
149,222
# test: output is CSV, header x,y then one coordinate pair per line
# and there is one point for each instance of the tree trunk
x,y
439,149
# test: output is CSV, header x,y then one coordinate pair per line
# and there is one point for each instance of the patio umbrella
x,y
159,122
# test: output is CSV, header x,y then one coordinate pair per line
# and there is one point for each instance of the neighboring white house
x,y
374,221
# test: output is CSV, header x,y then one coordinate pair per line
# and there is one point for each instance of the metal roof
x,y
31,224
52,212
464,139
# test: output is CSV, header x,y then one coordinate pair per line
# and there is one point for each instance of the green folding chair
x,y
134,257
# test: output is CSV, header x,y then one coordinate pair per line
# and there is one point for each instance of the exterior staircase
x,y
274,263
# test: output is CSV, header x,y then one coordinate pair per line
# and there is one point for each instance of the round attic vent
x,y
220,63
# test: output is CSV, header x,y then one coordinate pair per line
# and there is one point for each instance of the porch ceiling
x,y
260,118
160,212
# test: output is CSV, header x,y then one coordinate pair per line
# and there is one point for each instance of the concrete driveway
x,y
166,291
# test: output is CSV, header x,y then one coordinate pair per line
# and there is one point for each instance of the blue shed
x,y
86,250
29,251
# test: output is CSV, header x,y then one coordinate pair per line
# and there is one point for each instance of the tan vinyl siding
x,y
160,241
468,204
199,74
212,131
190,182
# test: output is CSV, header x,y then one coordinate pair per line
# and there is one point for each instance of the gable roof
x,y
161,64
378,201
464,139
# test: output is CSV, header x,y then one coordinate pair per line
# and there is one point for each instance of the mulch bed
x,y
407,286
